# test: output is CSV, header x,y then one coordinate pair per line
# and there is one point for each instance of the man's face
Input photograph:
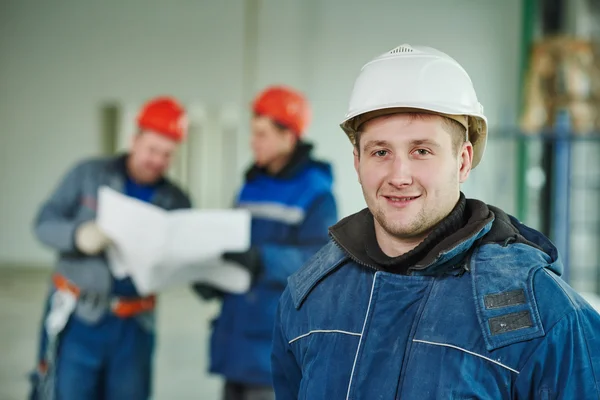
x,y
410,173
150,157
270,143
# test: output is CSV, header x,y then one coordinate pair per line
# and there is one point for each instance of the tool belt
x,y
63,304
120,306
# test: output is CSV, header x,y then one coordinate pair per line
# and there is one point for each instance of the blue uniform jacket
x,y
291,213
489,318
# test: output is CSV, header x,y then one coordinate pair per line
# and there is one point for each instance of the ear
x,y
291,138
465,161
356,162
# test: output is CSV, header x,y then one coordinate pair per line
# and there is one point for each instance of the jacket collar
x,y
449,256
119,168
297,162
498,227
468,221
118,175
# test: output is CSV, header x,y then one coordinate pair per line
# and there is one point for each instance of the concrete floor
x,y
182,339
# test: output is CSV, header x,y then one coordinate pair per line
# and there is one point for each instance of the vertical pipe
x,y
250,76
109,128
557,152
561,193
552,24
251,16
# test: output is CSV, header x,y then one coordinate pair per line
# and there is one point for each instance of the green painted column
x,y
527,36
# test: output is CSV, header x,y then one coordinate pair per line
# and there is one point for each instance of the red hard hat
x,y
284,106
164,115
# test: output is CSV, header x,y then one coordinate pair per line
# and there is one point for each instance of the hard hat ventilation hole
x,y
402,49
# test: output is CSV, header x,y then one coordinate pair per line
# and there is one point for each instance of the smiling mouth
x,y
401,199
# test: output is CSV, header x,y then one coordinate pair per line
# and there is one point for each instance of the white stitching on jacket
x,y
466,351
323,331
361,336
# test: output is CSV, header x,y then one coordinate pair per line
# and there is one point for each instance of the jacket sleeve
x,y
566,365
287,375
183,203
55,222
281,261
182,200
186,202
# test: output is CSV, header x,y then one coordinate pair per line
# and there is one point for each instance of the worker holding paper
x,y
98,339
289,196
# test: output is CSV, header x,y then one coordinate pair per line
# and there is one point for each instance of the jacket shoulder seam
x,y
312,273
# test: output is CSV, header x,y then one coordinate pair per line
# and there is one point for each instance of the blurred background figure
x,y
289,195
98,332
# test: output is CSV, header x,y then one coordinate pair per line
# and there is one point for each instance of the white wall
x,y
60,60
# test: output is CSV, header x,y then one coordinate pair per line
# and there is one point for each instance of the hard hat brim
x,y
476,125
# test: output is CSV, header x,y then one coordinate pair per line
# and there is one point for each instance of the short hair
x,y
456,130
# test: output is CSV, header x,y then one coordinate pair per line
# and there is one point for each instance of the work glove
x,y
249,259
207,292
89,239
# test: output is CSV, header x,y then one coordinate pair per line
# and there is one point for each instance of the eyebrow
x,y
375,143
417,142
427,142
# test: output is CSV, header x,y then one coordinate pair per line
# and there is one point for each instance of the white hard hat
x,y
417,79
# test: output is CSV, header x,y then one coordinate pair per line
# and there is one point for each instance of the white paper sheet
x,y
159,248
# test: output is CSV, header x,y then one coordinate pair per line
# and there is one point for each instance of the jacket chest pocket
x,y
322,377
454,373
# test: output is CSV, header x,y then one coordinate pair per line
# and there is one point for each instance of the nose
x,y
400,174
